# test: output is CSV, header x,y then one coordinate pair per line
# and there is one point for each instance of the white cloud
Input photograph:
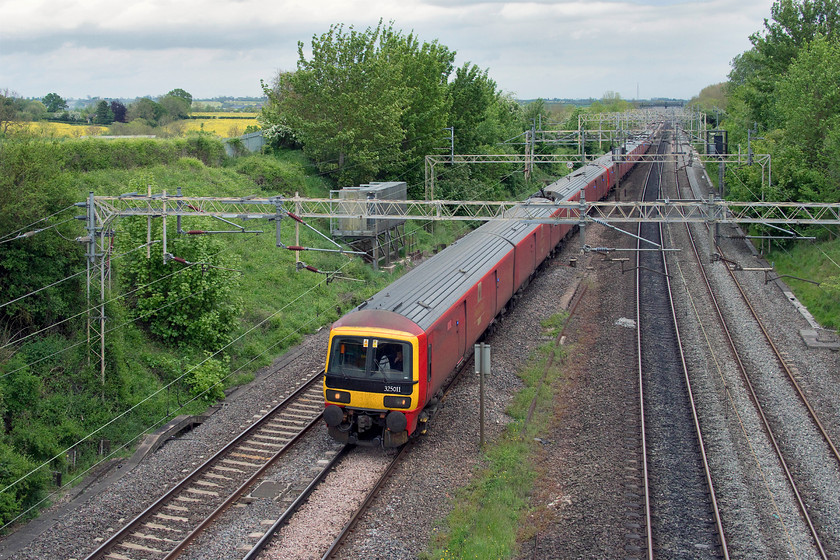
x,y
224,47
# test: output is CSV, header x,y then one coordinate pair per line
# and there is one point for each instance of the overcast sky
x,y
561,48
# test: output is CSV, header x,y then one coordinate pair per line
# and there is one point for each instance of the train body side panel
x,y
446,344
524,264
481,306
504,281
544,245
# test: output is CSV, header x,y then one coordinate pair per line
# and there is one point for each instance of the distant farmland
x,y
224,125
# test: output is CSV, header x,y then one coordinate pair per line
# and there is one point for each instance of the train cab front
x,y
371,386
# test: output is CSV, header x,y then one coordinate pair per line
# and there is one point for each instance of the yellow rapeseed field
x,y
226,128
64,130
210,122
220,114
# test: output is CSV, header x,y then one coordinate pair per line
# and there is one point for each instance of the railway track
x,y
271,544
798,473
173,521
679,493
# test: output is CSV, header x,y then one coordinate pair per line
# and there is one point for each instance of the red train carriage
x,y
389,357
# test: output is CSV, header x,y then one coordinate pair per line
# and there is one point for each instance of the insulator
x,y
295,217
196,232
296,248
311,268
180,260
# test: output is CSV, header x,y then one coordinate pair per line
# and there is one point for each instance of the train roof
x,y
423,294
426,292
383,319
566,187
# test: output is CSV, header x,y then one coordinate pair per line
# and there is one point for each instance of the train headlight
x,y
338,396
397,402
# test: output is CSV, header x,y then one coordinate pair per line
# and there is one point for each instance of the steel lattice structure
x,y
712,210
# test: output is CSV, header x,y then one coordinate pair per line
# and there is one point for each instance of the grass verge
x,y
488,515
804,264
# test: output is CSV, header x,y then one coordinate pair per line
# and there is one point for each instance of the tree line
x,y
145,111
783,98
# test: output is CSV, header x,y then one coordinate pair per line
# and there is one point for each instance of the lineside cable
x,y
156,392
138,318
17,233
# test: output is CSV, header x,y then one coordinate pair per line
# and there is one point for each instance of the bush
x,y
270,174
190,164
25,493
205,379
187,305
205,147
92,154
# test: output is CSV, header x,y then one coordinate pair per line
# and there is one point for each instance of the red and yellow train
x,y
388,358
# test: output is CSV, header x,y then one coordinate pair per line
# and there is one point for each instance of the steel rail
x,y
771,434
695,416
140,519
783,363
348,527
295,505
180,547
754,397
645,466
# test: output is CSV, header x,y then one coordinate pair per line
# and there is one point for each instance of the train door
x,y
461,327
496,305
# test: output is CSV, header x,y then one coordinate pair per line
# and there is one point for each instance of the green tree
x,y
34,110
103,113
344,104
10,112
175,107
181,94
146,110
809,110
472,94
54,102
189,305
611,102
424,73
535,113
756,73
712,100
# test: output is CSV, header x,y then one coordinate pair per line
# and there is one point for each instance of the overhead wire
x,y
160,390
48,286
17,233
88,310
112,329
